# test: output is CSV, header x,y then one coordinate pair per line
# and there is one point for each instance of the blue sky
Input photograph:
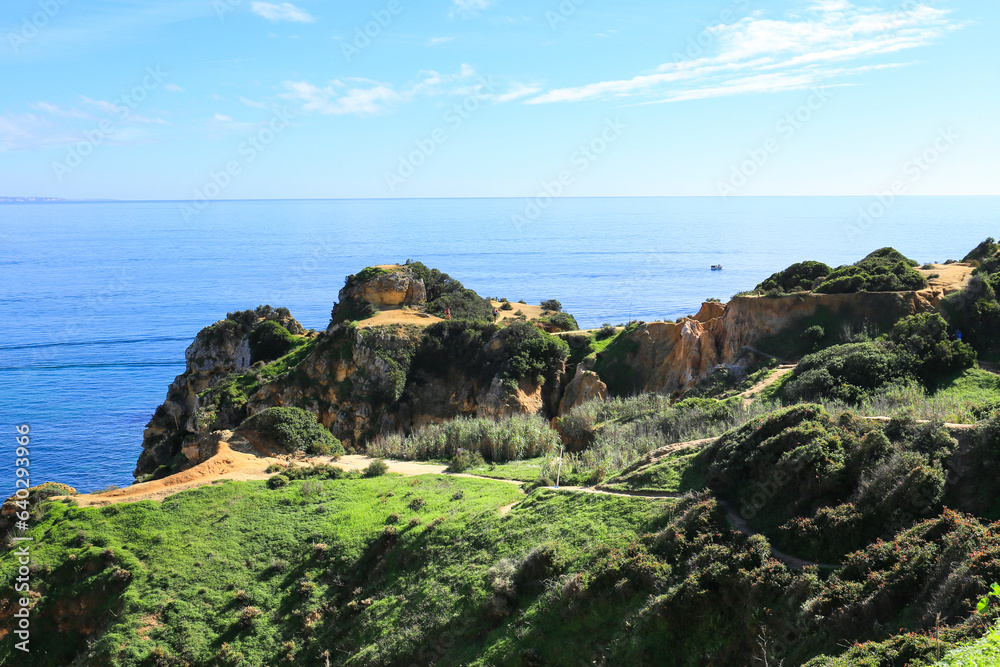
x,y
240,99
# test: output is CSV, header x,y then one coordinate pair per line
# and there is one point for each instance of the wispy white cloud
x,y
434,41
222,118
364,97
173,88
516,91
123,113
252,104
755,54
285,11
31,132
55,110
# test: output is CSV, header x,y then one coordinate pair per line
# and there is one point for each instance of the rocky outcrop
x,y
399,286
217,352
359,382
672,357
585,386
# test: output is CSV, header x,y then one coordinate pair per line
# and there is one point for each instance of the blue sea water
x,y
100,300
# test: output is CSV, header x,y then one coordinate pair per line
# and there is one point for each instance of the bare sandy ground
x,y
398,316
951,277
238,466
531,312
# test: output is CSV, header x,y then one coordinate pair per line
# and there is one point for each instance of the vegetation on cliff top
x,y
444,292
885,270
919,348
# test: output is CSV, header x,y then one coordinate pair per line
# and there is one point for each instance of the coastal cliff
x,y
384,365
373,371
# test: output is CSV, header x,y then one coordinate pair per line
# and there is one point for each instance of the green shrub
x,y
813,336
985,250
464,460
269,341
292,429
444,292
885,270
506,306
562,322
277,482
847,373
797,276
530,353
606,331
936,353
376,468
552,304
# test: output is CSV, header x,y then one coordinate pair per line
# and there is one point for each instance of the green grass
x,y
982,653
203,556
527,470
678,472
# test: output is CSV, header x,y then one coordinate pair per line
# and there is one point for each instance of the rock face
x,y
585,386
396,286
217,351
358,382
671,358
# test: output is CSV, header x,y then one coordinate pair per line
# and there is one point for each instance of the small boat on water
x,y
717,267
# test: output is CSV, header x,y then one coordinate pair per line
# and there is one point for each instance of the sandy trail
x,y
779,372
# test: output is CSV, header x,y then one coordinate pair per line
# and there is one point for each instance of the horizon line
x,y
34,200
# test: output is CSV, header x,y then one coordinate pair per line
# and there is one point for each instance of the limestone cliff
x,y
672,357
216,353
359,381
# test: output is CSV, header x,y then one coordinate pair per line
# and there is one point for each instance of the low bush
x,y
293,429
552,304
605,332
561,322
277,482
269,341
376,468
918,349
802,276
444,292
464,460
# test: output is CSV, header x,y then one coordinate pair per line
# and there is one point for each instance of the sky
x,y
195,100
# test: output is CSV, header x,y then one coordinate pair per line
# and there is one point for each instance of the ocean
x,y
100,300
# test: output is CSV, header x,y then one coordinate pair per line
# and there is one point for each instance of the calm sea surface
x,y
99,300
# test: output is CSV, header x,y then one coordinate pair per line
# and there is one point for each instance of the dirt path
x,y
779,372
243,467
